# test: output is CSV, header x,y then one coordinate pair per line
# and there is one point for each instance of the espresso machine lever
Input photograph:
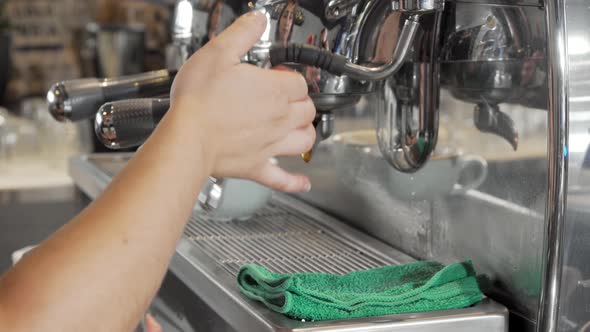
x,y
78,100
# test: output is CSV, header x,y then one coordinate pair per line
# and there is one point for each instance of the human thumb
x,y
237,39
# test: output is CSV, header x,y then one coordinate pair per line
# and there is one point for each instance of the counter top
x,y
33,174
29,215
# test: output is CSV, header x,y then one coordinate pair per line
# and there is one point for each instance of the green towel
x,y
415,287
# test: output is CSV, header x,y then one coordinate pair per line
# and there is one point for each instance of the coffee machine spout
x,y
489,119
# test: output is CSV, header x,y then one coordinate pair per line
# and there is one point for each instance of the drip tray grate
x,y
280,239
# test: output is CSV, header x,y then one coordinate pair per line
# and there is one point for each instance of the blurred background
x,y
45,41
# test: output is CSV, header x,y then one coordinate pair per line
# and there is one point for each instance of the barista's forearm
x,y
76,282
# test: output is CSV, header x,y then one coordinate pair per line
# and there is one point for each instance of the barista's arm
x,y
99,272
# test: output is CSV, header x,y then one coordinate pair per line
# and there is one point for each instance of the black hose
x,y
308,55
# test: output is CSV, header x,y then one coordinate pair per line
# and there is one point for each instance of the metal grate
x,y
278,237
281,239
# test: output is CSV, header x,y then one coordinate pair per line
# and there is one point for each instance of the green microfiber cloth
x,y
416,287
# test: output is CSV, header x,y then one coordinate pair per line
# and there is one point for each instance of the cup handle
x,y
478,161
211,194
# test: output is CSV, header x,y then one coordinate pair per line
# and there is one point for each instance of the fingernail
x,y
308,187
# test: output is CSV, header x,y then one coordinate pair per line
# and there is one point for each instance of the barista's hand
x,y
243,114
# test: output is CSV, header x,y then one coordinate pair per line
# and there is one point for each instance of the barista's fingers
x,y
291,83
151,324
295,143
277,178
237,39
301,114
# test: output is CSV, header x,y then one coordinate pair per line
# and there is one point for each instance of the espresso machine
x,y
447,130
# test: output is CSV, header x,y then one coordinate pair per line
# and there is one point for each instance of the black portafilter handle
x,y
128,123
78,100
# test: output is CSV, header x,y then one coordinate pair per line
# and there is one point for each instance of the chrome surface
x,y
211,195
343,28
418,5
198,21
568,295
558,163
182,24
291,243
287,236
128,123
407,116
62,104
406,104
495,55
404,43
513,89
182,34
56,100
499,226
324,127
80,99
336,9
489,119
374,39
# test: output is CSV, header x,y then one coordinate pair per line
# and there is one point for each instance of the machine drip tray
x,y
285,236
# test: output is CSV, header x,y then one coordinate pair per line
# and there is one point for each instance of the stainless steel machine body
x,y
520,67
286,236
500,80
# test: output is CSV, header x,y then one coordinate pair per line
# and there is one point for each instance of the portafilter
x,y
343,48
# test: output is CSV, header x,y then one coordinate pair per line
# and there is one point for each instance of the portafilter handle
x,y
128,123
339,64
78,100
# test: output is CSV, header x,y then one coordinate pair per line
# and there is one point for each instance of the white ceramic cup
x,y
359,157
240,200
440,176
